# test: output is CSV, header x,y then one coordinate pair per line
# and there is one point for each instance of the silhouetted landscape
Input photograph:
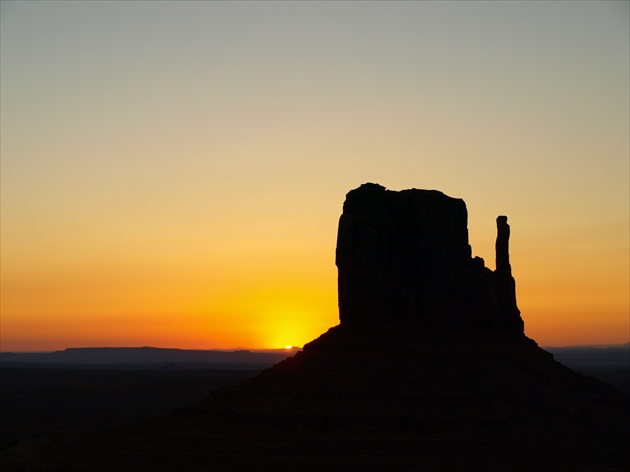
x,y
428,369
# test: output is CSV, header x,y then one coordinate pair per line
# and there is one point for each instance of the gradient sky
x,y
173,172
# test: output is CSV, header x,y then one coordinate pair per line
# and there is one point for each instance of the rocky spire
x,y
506,285
502,247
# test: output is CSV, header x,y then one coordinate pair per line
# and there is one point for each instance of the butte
x,y
428,369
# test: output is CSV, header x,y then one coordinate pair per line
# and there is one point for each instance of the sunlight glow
x,y
151,220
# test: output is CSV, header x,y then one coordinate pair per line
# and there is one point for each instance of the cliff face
x,y
404,258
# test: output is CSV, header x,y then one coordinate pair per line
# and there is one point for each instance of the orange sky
x,y
173,172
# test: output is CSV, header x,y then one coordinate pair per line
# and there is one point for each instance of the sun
x,y
288,347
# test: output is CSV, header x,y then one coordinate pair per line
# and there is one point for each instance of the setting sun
x,y
288,347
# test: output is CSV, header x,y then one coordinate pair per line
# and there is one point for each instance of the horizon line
x,y
278,349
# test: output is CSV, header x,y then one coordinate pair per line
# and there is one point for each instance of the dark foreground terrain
x,y
57,418
43,408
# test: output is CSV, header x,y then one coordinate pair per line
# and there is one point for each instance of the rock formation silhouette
x,y
506,286
428,369
404,257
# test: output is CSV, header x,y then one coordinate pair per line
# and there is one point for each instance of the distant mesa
x,y
404,258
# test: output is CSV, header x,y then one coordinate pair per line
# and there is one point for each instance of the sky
x,y
173,172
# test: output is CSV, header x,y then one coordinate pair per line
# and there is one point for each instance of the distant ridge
x,y
593,358
578,357
148,355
